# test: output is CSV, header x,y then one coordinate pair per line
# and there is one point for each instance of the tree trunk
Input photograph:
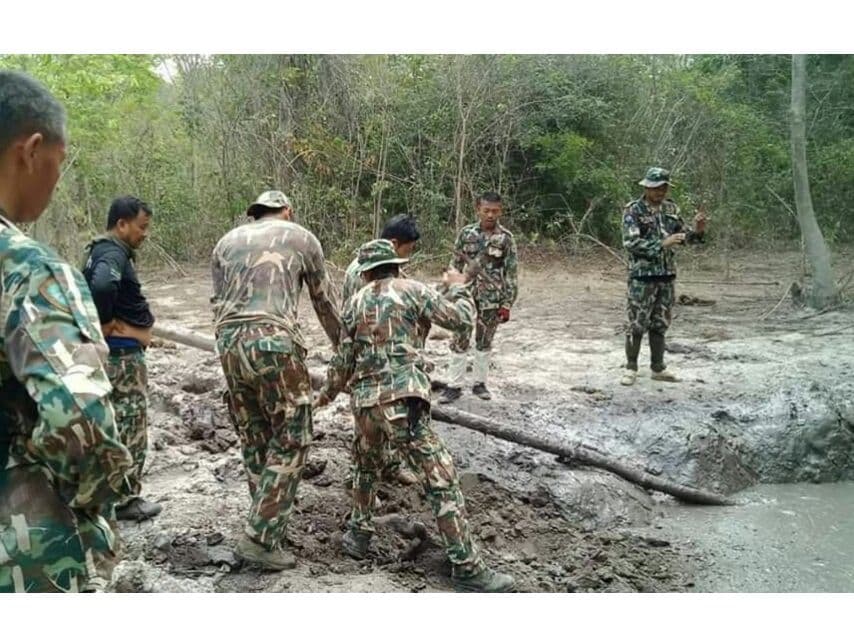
x,y
824,292
461,155
581,454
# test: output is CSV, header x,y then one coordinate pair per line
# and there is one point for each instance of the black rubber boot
x,y
633,346
656,351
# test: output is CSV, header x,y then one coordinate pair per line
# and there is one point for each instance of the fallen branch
x,y
169,259
730,284
777,306
577,452
833,307
582,454
604,246
832,332
185,337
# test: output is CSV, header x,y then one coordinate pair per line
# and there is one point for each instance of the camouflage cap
x,y
655,177
269,200
376,252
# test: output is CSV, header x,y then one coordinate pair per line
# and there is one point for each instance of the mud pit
x,y
761,401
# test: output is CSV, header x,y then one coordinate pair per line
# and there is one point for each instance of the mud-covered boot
x,y
138,509
480,390
450,394
355,544
486,581
656,350
276,559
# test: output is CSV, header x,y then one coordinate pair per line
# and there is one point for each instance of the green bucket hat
x,y
377,252
655,177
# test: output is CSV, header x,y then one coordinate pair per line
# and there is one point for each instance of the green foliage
x,y
355,139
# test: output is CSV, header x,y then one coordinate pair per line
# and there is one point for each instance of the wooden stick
x,y
169,259
730,284
776,306
604,246
185,337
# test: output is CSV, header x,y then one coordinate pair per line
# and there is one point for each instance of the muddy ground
x,y
764,397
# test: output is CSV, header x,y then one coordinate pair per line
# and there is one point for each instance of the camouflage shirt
x,y
380,350
258,271
491,259
352,281
54,394
643,232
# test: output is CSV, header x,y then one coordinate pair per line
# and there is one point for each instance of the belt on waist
x,y
123,351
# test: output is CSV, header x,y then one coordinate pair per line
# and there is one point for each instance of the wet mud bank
x,y
761,400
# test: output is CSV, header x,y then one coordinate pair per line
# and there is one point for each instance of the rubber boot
x,y
633,345
659,369
656,351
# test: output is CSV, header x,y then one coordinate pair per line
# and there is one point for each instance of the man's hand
x,y
700,220
452,276
503,315
673,238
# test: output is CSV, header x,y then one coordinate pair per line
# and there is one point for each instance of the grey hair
x,y
27,107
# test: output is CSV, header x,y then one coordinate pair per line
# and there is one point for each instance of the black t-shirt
x,y
115,288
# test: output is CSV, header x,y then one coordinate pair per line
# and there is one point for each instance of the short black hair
x,y
402,228
125,208
258,211
382,271
488,196
27,107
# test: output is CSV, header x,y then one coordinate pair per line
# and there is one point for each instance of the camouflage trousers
x,y
484,332
393,458
128,374
44,545
649,306
407,423
269,400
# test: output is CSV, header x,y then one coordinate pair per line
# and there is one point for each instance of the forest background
x,y
354,139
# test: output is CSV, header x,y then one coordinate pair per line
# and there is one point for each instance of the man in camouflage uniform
x,y
258,272
652,229
403,234
62,465
126,321
487,251
379,358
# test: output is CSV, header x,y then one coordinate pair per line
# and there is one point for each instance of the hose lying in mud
x,y
576,452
